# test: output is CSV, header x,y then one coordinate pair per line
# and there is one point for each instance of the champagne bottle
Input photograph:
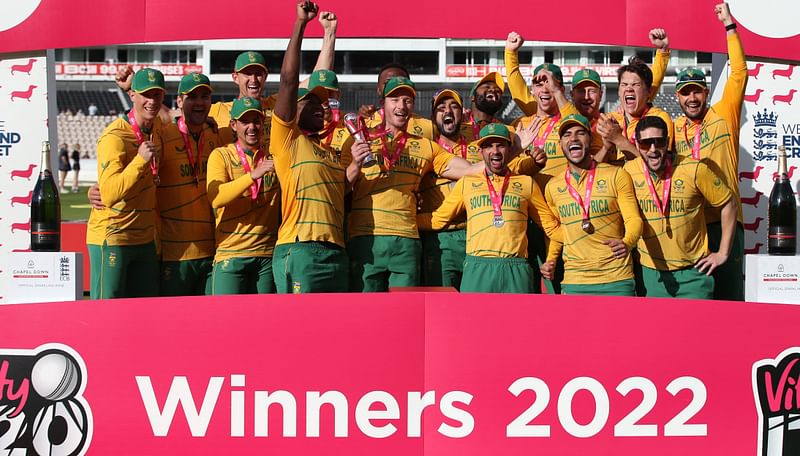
x,y
782,212
45,209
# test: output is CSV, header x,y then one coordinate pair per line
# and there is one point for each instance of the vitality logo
x,y
776,386
42,409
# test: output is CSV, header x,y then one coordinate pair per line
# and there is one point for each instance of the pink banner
x,y
104,69
768,29
478,71
412,374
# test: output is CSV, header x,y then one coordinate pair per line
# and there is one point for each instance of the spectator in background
x,y
76,166
63,165
92,109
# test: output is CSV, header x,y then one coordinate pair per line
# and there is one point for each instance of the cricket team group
x,y
283,193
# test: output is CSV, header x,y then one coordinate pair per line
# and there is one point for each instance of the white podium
x,y
772,279
44,277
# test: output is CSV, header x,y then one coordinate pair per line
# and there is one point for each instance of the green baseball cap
x,y
555,69
494,130
244,105
193,81
495,77
148,79
444,94
690,76
324,78
250,58
319,91
573,119
586,74
397,83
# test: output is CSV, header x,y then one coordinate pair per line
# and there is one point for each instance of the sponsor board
x,y
415,374
772,279
44,277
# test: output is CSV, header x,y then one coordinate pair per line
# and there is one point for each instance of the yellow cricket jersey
x,y
313,185
556,162
244,227
679,240
126,186
614,214
418,125
659,69
187,221
337,138
719,136
383,198
434,189
630,133
221,113
522,199
96,226
520,92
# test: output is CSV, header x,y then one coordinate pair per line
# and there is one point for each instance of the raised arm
x,y
286,101
733,94
659,39
516,83
326,54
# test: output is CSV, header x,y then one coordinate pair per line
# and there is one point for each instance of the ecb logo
x,y
7,139
765,136
42,409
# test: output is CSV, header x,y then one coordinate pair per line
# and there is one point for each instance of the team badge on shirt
x,y
679,187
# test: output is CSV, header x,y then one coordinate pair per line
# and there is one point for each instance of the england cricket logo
x,y
776,386
765,135
42,409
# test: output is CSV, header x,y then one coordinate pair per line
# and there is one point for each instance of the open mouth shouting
x,y
655,160
448,123
575,151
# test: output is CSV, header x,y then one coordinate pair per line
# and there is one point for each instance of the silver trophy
x,y
355,125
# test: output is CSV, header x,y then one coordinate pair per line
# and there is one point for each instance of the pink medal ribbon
x,y
497,200
697,133
140,138
625,127
584,204
462,143
327,133
388,161
255,187
663,204
377,131
193,160
539,141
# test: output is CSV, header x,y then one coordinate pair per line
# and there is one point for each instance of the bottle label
x,y
45,232
780,237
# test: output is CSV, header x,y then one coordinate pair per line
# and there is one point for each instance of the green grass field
x,y
75,206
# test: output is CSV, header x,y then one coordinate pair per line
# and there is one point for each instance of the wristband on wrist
x,y
730,27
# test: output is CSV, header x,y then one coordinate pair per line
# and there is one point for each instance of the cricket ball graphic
x,y
55,376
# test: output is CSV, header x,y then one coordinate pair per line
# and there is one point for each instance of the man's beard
x,y
487,106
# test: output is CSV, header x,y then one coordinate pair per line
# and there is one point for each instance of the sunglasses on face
x,y
646,143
